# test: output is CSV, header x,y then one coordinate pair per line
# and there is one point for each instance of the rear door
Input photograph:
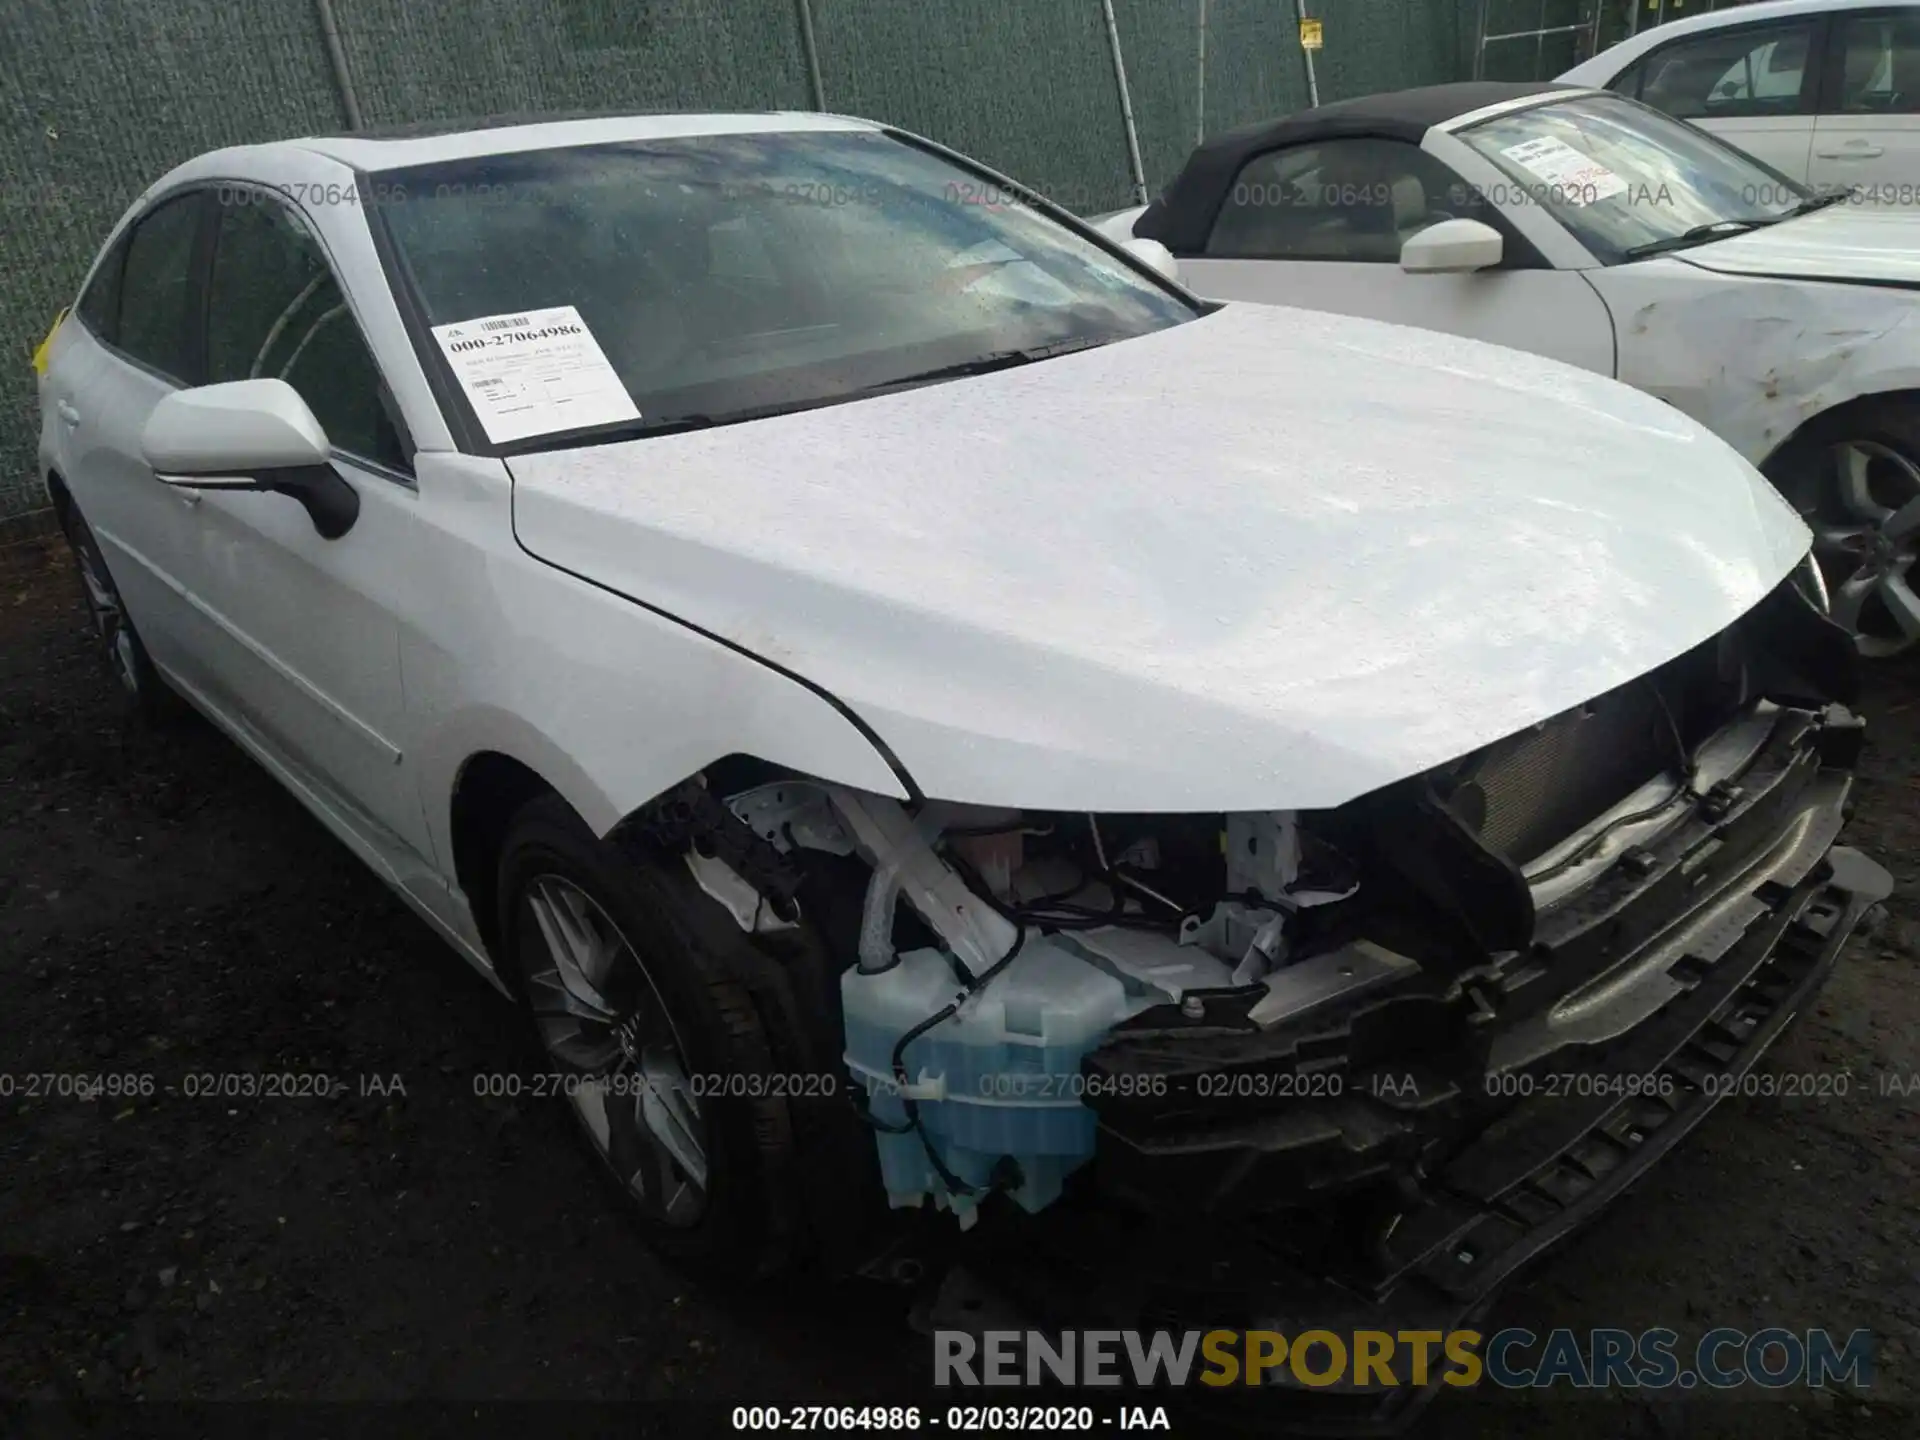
x,y
1867,135
1320,226
308,655
1753,85
137,342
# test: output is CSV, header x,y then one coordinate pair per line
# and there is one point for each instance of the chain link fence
x,y
100,97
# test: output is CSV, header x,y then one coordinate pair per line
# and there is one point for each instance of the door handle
x,y
1855,151
67,413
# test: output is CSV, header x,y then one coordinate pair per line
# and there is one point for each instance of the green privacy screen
x,y
99,97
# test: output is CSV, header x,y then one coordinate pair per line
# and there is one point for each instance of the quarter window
x,y
157,289
274,310
1358,199
1754,70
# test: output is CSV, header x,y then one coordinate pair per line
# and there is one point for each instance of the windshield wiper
x,y
665,425
611,434
1817,202
992,361
1718,229
1699,235
677,424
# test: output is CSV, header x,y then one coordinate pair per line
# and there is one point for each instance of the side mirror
x,y
1152,252
1118,224
1452,247
249,435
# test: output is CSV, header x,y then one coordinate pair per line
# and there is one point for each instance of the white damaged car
x,y
1587,227
934,722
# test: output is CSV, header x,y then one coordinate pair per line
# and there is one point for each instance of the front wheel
x,y
1860,495
653,1040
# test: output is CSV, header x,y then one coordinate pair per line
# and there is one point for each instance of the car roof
x,y
1183,214
404,146
1615,58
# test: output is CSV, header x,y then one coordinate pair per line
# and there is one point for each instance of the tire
x,y
149,699
675,956
1853,481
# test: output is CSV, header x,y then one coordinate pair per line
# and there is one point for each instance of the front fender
x,y
609,702
1755,359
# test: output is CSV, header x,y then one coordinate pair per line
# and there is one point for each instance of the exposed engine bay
x,y
1233,1012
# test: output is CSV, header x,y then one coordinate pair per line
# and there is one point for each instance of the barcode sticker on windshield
x,y
1569,176
536,373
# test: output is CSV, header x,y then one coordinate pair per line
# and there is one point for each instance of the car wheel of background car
x,y
624,965
151,701
1859,492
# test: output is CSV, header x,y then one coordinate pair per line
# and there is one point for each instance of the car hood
x,y
1845,243
1266,559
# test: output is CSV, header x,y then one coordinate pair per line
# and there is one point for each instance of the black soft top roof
x,y
1184,212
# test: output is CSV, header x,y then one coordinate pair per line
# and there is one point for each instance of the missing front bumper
x,y
1233,1112
1440,1244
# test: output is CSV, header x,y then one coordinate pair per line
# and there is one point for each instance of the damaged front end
x,y
1468,1007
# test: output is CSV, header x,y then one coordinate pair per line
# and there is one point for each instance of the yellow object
x,y
1310,35
40,355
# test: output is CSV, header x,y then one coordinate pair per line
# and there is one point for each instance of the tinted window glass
x,y
100,305
1627,82
157,288
275,311
1341,200
1754,70
1879,64
722,274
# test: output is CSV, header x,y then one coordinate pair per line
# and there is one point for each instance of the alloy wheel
x,y
600,1015
1866,529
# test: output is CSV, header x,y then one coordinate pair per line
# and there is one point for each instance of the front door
x,y
309,650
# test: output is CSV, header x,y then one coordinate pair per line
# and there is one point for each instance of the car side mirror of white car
x,y
1152,252
249,435
1452,247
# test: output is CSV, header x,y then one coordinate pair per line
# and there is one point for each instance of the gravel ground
x,y
166,910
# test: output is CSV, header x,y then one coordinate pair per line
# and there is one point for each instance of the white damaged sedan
x,y
928,716
1584,226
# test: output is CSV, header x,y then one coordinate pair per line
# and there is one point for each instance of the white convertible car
x,y
928,716
1588,228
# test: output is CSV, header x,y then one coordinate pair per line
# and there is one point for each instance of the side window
x,y
1878,64
157,289
99,307
275,311
1339,200
1751,70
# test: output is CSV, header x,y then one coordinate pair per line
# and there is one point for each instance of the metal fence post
x,y
1200,98
1126,104
1313,85
337,58
810,47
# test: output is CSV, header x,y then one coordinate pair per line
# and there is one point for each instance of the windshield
x,y
1629,181
604,291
